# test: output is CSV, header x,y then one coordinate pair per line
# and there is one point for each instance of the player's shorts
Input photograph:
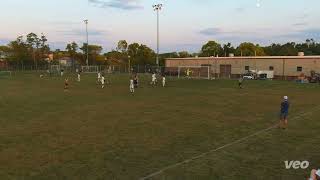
x,y
284,115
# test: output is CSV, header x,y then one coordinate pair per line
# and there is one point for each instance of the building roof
x,y
247,57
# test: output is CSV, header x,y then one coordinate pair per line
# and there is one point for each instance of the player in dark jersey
x,y
284,112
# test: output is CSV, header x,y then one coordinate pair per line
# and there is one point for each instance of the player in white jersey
x,y
99,77
163,81
131,85
79,77
102,81
154,79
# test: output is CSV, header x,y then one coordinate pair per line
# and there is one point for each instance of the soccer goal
x,y
55,69
90,69
196,72
5,73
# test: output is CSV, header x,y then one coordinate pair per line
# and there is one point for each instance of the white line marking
x,y
219,148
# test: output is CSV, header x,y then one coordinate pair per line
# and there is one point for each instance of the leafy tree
x,y
184,54
122,46
44,47
249,49
19,52
288,49
133,49
33,42
146,55
72,49
4,51
273,49
227,49
94,52
141,54
116,57
211,48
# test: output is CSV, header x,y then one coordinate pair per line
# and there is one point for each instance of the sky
x,y
185,25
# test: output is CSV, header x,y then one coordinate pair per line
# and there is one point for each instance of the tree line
x,y
34,50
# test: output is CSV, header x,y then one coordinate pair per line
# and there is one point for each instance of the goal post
x,y
90,69
194,72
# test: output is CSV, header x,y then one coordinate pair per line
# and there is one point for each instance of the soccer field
x,y
93,133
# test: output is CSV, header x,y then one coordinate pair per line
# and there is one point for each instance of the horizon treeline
x,y
34,50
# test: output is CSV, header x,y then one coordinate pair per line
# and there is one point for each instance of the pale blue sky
x,y
185,24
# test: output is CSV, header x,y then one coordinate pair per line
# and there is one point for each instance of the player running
x,y
188,73
131,85
102,81
79,77
154,79
66,84
163,81
284,112
99,77
240,82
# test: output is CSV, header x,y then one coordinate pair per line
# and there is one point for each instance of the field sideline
x,y
94,133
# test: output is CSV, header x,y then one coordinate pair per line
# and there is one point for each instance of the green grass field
x,y
92,133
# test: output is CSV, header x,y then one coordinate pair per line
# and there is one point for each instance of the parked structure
x,y
284,67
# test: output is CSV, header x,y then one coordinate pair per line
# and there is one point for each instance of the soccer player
x,y
136,81
131,85
315,175
284,112
154,79
163,81
240,82
188,73
61,72
66,84
79,77
99,77
102,81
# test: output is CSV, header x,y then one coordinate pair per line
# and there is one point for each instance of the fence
x,y
114,69
32,68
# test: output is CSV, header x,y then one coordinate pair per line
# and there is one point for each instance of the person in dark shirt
x,y
284,112
136,81
240,81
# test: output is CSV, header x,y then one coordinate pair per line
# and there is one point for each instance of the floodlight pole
x,y
129,60
87,60
157,8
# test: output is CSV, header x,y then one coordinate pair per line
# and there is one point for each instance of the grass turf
x,y
94,133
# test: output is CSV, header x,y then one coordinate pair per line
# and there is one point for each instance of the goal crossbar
x,y
6,73
90,69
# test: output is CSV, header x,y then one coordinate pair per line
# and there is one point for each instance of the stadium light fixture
x,y
158,8
86,21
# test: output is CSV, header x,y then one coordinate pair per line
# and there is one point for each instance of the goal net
x,y
196,72
55,69
90,69
5,73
